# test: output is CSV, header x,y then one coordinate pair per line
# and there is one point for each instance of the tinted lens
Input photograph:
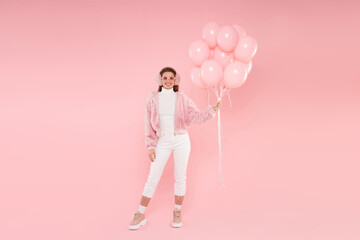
x,y
166,78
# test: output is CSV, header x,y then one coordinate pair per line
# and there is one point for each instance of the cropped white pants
x,y
180,144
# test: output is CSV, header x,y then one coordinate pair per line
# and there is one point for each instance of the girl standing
x,y
168,114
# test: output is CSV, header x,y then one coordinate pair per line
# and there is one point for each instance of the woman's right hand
x,y
217,105
152,154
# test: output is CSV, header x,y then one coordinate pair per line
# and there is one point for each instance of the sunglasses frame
x,y
166,78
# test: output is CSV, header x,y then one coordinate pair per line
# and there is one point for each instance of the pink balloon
x,y
211,72
227,38
235,74
223,58
209,33
245,49
196,77
199,52
240,31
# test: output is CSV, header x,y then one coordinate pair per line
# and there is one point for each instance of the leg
x,y
163,151
144,201
157,166
179,199
181,157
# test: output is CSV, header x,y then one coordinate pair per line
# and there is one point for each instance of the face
x,y
166,81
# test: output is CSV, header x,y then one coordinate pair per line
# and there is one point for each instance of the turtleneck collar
x,y
167,91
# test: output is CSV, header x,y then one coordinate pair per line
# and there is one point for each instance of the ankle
x,y
142,209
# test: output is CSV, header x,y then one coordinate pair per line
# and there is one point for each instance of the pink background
x,y
74,76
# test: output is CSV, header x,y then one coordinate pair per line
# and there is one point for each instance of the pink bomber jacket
x,y
186,113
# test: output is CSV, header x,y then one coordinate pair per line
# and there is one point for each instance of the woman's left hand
x,y
217,105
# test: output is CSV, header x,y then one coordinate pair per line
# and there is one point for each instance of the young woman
x,y
168,114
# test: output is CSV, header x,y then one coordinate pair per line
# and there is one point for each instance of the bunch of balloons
x,y
223,57
223,60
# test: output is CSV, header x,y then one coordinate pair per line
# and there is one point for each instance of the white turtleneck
x,y
167,99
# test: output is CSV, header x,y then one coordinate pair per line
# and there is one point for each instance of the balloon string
x,y
220,174
223,90
217,96
228,92
216,92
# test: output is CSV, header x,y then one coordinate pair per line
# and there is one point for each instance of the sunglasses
x,y
166,78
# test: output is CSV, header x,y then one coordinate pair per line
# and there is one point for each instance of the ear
x,y
158,79
177,80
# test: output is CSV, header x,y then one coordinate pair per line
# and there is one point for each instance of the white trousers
x,y
180,144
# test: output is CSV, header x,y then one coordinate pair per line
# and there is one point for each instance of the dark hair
x,y
168,69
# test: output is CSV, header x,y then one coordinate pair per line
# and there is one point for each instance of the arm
x,y
150,134
197,116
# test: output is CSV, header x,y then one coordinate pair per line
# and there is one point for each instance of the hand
x,y
152,154
217,105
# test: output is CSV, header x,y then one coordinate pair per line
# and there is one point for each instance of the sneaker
x,y
177,218
138,221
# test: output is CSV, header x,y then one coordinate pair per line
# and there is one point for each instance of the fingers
x,y
152,154
218,105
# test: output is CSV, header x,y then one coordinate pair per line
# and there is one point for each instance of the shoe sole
x,y
176,225
137,226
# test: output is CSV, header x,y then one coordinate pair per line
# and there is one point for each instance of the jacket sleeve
x,y
198,116
150,134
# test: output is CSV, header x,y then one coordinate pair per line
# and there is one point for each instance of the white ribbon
x,y
228,93
220,174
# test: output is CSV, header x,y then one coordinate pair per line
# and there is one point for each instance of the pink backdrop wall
x,y
74,76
